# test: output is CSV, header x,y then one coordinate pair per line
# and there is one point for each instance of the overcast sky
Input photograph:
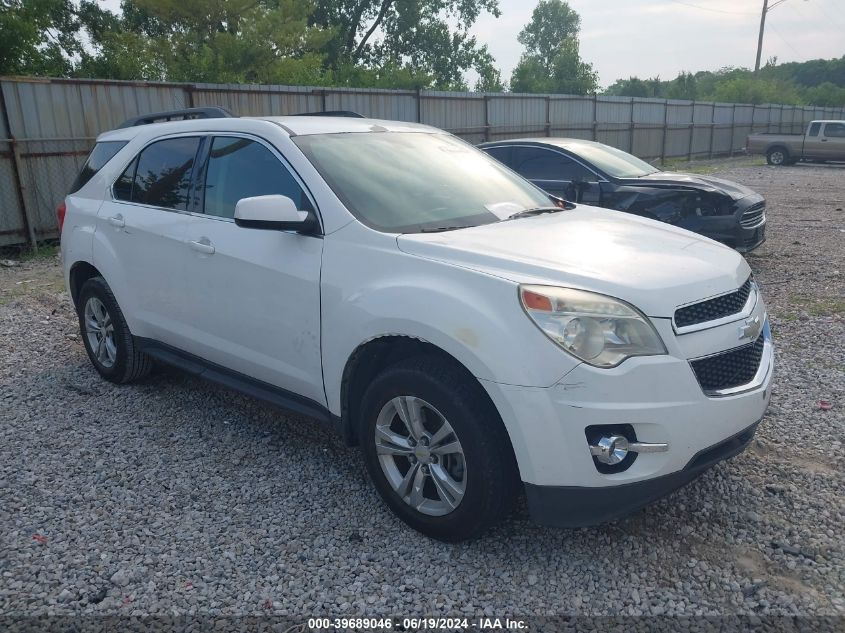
x,y
663,37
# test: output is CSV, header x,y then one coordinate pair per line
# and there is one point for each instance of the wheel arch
x,y
381,352
80,272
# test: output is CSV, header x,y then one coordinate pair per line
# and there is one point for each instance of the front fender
x,y
372,289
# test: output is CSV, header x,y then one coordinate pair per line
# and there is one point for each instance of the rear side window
x,y
814,129
501,154
543,164
161,174
102,153
241,168
835,130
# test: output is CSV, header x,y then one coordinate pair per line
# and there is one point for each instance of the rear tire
x,y
108,341
456,474
777,156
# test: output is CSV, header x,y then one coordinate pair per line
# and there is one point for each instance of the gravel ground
x,y
176,497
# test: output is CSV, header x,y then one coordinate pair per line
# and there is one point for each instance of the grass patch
x,y
45,251
707,168
819,307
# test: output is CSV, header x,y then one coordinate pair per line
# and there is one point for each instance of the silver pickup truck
x,y
823,140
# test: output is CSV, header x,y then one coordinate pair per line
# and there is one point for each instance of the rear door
x,y
556,173
833,140
141,233
253,295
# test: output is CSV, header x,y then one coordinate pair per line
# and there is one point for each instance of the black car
x,y
594,174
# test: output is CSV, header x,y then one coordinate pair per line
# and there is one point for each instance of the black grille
x,y
729,369
713,309
753,216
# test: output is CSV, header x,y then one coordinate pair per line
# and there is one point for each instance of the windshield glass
x,y
409,182
614,162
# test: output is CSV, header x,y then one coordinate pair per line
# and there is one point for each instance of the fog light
x,y
610,449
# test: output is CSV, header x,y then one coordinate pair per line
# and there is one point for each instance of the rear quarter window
x,y
814,129
102,153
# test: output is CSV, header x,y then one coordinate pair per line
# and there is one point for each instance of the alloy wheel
x,y
99,329
420,455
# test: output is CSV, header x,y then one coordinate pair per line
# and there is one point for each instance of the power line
x,y
711,9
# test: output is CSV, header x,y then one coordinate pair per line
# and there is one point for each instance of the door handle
x,y
203,246
824,140
117,220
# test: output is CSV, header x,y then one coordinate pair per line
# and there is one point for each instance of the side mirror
x,y
274,213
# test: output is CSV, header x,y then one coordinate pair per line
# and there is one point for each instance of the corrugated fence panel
x,y
54,123
12,227
678,128
517,116
614,122
462,114
256,100
572,117
377,104
723,128
702,133
648,128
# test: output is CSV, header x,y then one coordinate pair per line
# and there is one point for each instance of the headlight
x,y
596,329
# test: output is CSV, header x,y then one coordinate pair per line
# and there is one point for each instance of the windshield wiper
x,y
535,211
440,229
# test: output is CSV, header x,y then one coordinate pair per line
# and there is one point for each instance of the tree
x,y
427,38
39,37
262,41
552,61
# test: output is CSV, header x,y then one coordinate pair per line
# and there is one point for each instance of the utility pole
x,y
766,9
760,38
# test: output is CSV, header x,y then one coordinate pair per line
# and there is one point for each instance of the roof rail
x,y
212,112
346,113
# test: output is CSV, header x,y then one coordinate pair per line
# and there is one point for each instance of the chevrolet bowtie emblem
x,y
751,328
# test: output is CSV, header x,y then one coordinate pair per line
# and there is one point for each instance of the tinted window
x,y
403,182
501,154
836,130
543,164
241,168
814,129
163,175
102,153
122,188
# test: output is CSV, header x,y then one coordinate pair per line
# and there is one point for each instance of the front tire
x,y
108,341
436,449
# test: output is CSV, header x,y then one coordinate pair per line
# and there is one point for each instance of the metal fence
x,y
47,126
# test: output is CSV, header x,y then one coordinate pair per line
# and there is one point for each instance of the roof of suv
x,y
293,125
563,143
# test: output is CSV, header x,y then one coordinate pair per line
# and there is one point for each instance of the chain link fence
x,y
47,126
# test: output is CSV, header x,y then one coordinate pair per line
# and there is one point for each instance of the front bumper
x,y
658,397
733,230
573,506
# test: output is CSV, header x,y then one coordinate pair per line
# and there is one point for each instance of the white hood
x,y
652,265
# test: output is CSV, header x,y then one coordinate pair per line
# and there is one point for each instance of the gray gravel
x,y
176,497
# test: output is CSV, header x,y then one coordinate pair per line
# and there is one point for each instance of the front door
x,y
253,295
833,141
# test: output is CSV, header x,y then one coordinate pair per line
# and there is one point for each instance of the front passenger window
x,y
834,130
241,168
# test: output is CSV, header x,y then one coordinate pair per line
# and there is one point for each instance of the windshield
x,y
614,162
409,182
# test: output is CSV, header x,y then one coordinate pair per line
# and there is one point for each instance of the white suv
x,y
476,338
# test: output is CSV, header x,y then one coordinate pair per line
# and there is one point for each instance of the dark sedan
x,y
594,174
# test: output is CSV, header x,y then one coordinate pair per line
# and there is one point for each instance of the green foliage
x,y
38,37
380,43
819,82
552,61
